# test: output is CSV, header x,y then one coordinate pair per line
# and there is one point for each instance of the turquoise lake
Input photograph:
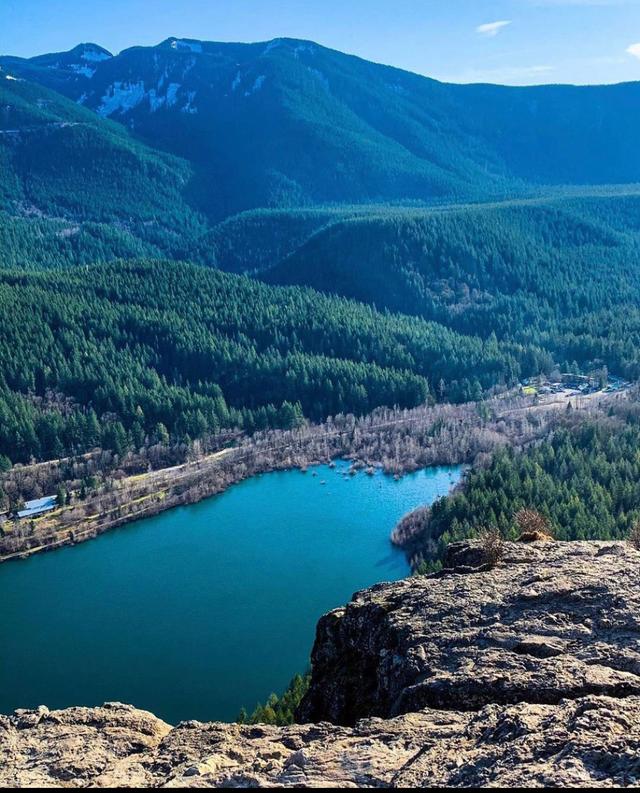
x,y
203,609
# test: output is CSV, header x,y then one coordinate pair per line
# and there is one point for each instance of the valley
x,y
449,294
276,323
395,442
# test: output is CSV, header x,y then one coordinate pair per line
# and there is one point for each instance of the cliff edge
x,y
551,621
527,674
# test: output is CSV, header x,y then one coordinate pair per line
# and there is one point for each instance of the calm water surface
x,y
203,609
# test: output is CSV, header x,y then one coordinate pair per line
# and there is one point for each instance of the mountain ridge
x,y
169,41
289,122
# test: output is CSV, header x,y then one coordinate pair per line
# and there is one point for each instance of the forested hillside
x,y
76,188
584,481
112,355
288,123
561,273
303,167
257,240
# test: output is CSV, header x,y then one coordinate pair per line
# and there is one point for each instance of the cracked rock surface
x,y
527,674
551,621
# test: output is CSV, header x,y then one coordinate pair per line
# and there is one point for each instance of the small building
x,y
576,380
37,506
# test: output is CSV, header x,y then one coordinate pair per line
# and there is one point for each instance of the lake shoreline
x,y
396,441
197,612
164,501
66,537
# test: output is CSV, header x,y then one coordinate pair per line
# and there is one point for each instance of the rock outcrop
x,y
552,621
593,741
524,674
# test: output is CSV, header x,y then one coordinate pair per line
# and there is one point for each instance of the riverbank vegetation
x,y
104,490
582,480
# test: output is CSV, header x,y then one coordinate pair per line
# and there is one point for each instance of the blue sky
x,y
518,42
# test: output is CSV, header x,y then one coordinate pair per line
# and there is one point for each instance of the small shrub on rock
x,y
533,526
492,545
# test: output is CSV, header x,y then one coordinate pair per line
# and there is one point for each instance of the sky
x,y
516,42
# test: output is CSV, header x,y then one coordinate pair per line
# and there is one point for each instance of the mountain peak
x,y
182,44
85,51
88,51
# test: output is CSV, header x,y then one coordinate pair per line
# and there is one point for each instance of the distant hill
x,y
74,183
559,273
460,260
289,123
469,237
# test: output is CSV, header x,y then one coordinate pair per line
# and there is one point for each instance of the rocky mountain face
x,y
524,674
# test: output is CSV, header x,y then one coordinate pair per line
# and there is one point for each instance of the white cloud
x,y
634,49
491,29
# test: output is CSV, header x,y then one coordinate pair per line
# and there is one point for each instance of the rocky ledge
x,y
551,621
524,674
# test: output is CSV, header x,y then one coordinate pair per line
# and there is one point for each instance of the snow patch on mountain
x,y
236,82
155,101
259,82
172,94
321,77
186,46
398,89
302,48
85,71
121,97
188,67
272,46
94,56
189,107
